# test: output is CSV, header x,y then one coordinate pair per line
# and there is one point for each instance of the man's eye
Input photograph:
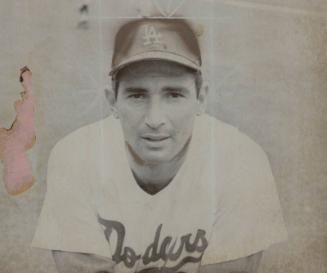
x,y
136,96
175,95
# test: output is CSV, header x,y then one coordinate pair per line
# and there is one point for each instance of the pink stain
x,y
15,141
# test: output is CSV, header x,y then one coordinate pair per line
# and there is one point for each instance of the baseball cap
x,y
156,39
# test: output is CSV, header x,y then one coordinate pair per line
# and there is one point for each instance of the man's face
x,y
156,103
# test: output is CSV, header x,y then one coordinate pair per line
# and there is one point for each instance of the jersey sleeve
x,y
68,220
68,262
248,216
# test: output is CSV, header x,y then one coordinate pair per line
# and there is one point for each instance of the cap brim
x,y
156,55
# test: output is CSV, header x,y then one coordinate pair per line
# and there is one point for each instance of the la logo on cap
x,y
151,36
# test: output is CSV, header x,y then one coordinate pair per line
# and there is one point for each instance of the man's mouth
x,y
155,138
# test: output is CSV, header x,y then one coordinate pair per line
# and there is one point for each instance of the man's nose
x,y
155,117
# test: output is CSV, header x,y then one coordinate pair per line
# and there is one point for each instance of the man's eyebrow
x,y
180,89
135,90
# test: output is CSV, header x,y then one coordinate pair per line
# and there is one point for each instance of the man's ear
x,y
202,98
111,98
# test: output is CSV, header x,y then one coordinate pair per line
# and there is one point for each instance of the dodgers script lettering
x,y
167,249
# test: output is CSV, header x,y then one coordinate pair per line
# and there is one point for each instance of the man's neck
x,y
154,177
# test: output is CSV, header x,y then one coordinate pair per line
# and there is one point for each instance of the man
x,y
159,186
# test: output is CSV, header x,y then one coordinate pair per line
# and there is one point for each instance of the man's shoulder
x,y
231,138
88,137
247,203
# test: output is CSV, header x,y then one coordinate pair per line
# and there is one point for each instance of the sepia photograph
x,y
167,136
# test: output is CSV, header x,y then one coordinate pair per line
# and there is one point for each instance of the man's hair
x,y
184,69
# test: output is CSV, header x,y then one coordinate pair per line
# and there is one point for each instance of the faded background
x,y
266,64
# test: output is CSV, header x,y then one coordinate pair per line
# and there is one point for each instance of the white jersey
x,y
221,205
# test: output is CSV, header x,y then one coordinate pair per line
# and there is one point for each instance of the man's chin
x,y
149,156
155,158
